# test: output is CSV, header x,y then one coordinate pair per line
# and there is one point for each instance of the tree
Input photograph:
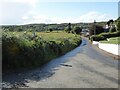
x,y
112,29
68,28
109,22
96,28
20,29
77,30
50,29
118,24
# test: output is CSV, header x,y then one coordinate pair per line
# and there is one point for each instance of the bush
x,y
97,37
77,30
22,52
103,36
50,29
99,29
113,29
115,34
106,35
118,24
68,28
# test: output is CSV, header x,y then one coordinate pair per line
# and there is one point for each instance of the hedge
x,y
104,36
20,52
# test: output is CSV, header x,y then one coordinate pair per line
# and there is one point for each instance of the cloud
x,y
12,11
45,19
35,19
79,0
94,15
88,17
24,12
30,2
65,20
25,17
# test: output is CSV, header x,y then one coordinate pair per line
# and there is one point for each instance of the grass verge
x,y
115,40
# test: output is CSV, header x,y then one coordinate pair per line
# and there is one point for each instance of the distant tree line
x,y
41,27
68,27
75,29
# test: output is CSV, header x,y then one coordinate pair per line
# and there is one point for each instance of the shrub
x,y
24,52
77,30
113,29
115,34
50,29
98,29
103,36
106,35
97,38
68,28
118,24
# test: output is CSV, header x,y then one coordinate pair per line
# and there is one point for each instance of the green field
x,y
115,40
46,35
29,49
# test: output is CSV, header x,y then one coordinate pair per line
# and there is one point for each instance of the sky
x,y
19,12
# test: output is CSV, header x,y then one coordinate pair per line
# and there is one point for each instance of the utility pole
x,y
94,27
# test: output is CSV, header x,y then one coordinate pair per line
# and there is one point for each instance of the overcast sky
x,y
55,11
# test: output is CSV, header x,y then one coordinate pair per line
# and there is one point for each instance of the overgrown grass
x,y
27,49
115,40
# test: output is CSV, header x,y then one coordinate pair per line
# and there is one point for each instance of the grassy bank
x,y
114,40
26,49
104,36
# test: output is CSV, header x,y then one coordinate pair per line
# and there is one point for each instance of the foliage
x,y
20,50
50,29
68,28
98,29
77,30
109,22
112,29
104,36
114,40
108,35
97,37
118,24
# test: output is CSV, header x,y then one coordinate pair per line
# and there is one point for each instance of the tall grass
x,y
25,50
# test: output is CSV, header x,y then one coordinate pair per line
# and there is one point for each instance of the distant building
x,y
107,27
85,32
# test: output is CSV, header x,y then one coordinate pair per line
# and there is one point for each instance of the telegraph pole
x,y
94,27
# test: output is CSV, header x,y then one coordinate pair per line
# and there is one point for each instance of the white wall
x,y
95,42
111,48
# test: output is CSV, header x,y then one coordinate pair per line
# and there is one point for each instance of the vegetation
x,y
32,49
114,40
98,29
109,22
97,37
77,30
33,45
101,34
42,27
113,29
104,36
68,28
118,24
50,29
